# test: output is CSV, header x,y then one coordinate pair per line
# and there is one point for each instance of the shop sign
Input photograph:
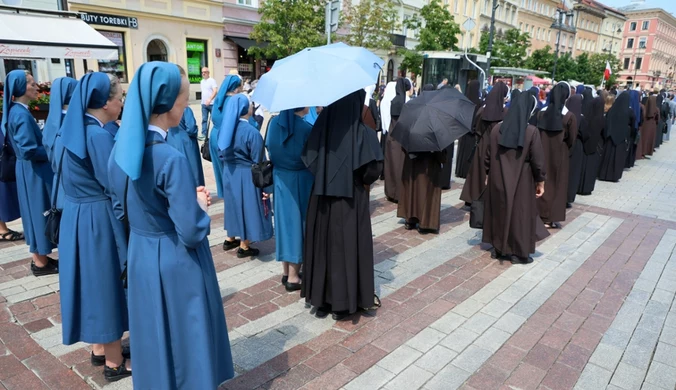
x,y
194,46
109,20
36,51
245,67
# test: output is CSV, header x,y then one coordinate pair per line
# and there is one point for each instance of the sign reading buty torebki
x,y
109,20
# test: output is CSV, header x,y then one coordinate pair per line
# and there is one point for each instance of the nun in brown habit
x,y
467,141
394,154
515,165
422,179
574,105
620,121
345,158
486,118
591,130
558,131
649,128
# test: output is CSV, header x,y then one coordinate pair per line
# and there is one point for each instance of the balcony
x,y
398,40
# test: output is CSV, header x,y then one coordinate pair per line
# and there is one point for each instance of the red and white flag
x,y
608,71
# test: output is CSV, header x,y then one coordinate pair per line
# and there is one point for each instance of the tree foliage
x,y
566,68
412,61
437,29
597,63
288,26
509,48
541,59
370,23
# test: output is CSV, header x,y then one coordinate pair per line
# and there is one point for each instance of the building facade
x,y
648,48
610,35
188,33
589,17
536,17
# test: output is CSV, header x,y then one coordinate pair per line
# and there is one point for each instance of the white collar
x,y
63,111
25,105
158,130
95,118
563,112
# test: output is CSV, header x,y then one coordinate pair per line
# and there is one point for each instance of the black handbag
x,y
476,212
206,152
7,162
53,223
261,172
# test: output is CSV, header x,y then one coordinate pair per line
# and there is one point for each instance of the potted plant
x,y
40,106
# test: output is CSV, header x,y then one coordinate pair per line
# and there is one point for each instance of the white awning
x,y
31,36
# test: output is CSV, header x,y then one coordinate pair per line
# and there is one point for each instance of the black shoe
x,y
51,268
410,225
251,252
339,316
285,278
115,374
427,231
229,245
521,260
321,312
569,205
291,287
100,360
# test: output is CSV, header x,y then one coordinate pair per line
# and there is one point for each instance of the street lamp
x,y
491,35
559,24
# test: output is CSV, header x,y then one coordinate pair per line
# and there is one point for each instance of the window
x,y
642,42
646,25
466,7
632,26
521,26
639,62
196,51
250,3
570,42
630,43
579,41
116,67
486,7
626,63
549,35
538,34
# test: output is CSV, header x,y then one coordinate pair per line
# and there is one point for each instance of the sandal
x,y
113,374
10,236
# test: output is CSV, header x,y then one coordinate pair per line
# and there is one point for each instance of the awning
x,y
246,43
31,36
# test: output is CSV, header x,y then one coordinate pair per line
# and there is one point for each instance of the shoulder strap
x,y
208,125
55,190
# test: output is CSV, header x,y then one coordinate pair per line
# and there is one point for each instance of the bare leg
x,y
285,268
40,260
113,353
3,228
244,245
294,269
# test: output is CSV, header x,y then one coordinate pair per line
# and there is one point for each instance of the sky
x,y
668,5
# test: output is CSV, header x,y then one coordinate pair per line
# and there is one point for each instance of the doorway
x,y
157,51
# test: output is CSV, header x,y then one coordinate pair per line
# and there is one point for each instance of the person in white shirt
x,y
209,90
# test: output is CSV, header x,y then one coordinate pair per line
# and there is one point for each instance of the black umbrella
x,y
433,121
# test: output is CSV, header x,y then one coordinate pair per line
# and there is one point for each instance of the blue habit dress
x,y
91,242
179,338
55,159
213,148
34,177
292,187
184,139
247,216
9,199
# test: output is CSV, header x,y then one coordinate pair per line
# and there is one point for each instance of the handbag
x,y
476,212
261,172
53,223
7,162
206,152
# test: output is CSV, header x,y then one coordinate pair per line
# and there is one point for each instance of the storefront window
x,y
197,59
117,67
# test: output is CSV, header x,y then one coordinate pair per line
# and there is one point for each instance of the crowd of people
x,y
129,188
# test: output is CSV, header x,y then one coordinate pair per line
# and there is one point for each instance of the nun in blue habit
x,y
312,115
62,90
247,208
9,206
230,86
287,134
92,240
34,175
179,339
184,138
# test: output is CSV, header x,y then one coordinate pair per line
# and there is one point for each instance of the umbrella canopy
x,y
538,81
433,121
317,76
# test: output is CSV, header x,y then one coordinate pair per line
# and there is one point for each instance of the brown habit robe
x,y
420,194
476,176
556,146
394,165
648,130
511,221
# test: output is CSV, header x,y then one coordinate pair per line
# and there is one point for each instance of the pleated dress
x,y
178,335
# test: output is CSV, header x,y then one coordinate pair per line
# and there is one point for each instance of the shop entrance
x,y
157,51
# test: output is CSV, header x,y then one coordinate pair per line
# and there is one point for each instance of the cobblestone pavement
x,y
595,310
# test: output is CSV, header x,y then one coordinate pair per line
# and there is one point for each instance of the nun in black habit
x,y
394,153
591,130
446,167
619,125
468,141
345,158
558,131
574,105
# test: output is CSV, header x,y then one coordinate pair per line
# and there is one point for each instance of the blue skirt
x,y
245,213
216,160
291,197
9,202
34,185
178,334
93,305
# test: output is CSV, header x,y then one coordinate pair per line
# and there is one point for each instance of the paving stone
x,y
661,375
472,358
449,378
426,339
492,339
606,356
436,359
628,377
399,359
412,377
459,339
593,378
666,354
510,323
373,378
479,322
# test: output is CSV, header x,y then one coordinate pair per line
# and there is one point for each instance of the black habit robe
x,y
591,131
345,158
486,118
511,221
467,142
619,125
558,132
394,153
574,104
